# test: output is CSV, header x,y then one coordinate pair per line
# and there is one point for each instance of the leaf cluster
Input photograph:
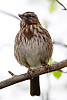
x,y
58,73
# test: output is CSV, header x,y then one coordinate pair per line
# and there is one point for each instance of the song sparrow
x,y
33,46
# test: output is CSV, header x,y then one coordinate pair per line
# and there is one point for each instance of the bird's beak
x,y
21,16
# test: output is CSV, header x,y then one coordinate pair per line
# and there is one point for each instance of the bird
x,y
33,47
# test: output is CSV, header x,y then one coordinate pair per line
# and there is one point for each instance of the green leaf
x,y
50,62
52,7
57,74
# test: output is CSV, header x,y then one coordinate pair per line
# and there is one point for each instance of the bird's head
x,y
29,18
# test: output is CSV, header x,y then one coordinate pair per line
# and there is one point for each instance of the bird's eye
x,y
28,15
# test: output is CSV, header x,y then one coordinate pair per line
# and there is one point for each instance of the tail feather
x,y
35,86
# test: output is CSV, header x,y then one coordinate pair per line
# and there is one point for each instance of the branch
x,y
62,71
62,5
31,74
9,14
64,45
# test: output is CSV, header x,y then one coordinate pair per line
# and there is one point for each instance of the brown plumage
x,y
33,46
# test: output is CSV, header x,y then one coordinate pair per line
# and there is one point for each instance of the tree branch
x,y
62,5
30,74
9,14
59,43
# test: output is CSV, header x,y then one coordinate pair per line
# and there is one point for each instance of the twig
x,y
62,5
19,78
11,73
62,71
55,42
4,12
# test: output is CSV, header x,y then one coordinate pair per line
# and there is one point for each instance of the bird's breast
x,y
34,45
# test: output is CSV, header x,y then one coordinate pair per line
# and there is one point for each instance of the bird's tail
x,y
35,86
